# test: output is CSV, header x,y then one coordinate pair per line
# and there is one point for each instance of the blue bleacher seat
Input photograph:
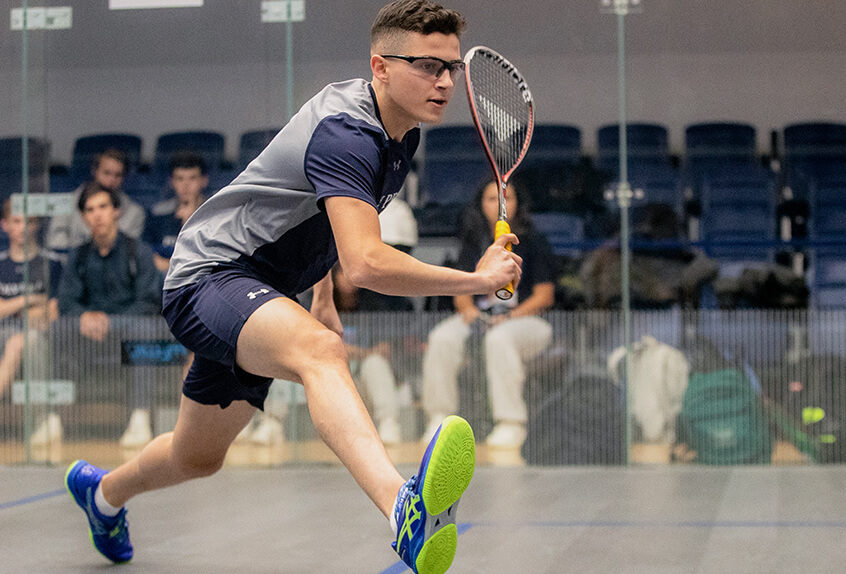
x,y
648,144
561,230
716,149
653,184
145,189
812,151
85,148
738,213
208,144
454,165
828,209
11,165
554,143
11,156
720,139
253,143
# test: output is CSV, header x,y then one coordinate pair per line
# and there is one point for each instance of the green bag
x,y
722,419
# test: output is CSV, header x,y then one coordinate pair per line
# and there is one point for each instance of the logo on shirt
x,y
254,294
397,165
383,203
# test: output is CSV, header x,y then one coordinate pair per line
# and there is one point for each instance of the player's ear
x,y
379,67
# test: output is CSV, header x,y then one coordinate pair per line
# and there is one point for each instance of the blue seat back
x,y
208,144
647,143
561,230
86,148
454,165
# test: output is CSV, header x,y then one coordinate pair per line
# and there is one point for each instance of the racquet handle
x,y
502,227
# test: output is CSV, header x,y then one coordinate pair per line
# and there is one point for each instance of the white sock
x,y
394,526
102,505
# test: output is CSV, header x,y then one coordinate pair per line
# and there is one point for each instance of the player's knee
x,y
200,466
325,347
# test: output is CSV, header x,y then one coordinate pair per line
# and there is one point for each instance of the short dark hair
x,y
422,16
187,160
111,153
93,188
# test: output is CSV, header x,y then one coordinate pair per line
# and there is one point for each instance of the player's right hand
x,y
499,265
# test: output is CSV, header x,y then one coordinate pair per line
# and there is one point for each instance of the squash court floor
x,y
313,519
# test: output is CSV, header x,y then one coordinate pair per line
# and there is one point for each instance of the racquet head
x,y
503,111
502,108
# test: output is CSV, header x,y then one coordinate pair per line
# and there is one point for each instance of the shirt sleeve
x,y
344,158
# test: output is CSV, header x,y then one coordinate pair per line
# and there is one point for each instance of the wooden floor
x,y
313,519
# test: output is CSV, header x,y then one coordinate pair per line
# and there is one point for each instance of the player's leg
x,y
196,448
282,340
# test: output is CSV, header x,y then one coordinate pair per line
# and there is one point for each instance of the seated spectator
x,y
370,358
36,298
658,279
188,180
513,331
111,275
108,170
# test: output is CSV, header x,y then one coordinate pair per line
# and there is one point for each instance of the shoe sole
x,y
90,532
450,469
451,465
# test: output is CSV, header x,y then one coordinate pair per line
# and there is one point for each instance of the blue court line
x,y
673,524
35,498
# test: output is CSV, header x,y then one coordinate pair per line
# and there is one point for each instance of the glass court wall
x,y
734,157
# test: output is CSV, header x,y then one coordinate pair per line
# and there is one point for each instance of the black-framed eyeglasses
x,y
432,66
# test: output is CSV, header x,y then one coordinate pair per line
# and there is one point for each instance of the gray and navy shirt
x,y
270,220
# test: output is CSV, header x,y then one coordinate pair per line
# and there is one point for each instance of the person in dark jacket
x,y
107,276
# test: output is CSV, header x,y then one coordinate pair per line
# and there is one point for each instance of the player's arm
x,y
11,305
371,264
323,305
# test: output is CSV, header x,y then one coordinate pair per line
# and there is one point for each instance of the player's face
x,y
421,96
188,183
490,202
100,215
109,173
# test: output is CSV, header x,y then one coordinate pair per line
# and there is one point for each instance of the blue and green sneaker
x,y
109,534
426,505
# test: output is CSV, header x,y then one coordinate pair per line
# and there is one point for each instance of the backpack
x,y
723,420
581,423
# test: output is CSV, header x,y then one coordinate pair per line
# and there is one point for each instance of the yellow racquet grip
x,y
502,227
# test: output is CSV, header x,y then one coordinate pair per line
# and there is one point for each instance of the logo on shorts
x,y
254,294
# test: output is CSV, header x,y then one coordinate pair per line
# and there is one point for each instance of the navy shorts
x,y
207,317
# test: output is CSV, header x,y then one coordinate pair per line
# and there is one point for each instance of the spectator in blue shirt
x,y
189,180
111,275
34,297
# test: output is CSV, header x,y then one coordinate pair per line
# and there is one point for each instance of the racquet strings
x,y
503,114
